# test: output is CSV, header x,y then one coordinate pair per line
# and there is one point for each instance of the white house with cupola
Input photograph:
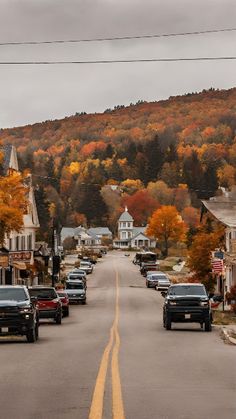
x,y
129,236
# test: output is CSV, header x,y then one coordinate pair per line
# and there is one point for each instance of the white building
x,y
223,208
20,246
130,236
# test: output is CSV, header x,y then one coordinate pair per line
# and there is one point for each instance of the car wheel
x,y
147,284
168,323
58,319
31,335
37,331
84,302
66,312
208,327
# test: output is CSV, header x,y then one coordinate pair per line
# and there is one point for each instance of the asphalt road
x,y
145,372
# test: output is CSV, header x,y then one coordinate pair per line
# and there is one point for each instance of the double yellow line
x,y
96,409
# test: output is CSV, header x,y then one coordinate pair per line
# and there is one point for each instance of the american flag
x,y
217,265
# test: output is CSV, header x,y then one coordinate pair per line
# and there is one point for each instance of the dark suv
x,y
49,303
18,314
188,303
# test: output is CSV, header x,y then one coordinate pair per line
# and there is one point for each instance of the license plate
x,y
4,329
187,316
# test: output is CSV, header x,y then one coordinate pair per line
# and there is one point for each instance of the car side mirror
x,y
163,293
33,299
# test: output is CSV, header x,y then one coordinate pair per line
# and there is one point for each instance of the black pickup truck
x,y
187,303
18,312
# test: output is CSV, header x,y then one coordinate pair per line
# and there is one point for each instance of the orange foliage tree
x,y
200,256
167,226
13,204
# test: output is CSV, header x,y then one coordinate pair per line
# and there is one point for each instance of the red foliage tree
x,y
141,205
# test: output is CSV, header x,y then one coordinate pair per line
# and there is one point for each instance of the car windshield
x,y
187,290
74,276
158,277
62,294
43,294
74,286
14,294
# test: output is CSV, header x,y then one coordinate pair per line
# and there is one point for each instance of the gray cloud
x,y
33,94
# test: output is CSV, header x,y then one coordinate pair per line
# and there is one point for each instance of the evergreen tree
x,y
155,159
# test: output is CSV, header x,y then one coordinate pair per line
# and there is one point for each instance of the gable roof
x,y
100,231
223,210
137,230
9,158
67,232
140,234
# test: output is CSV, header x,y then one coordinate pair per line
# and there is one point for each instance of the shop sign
x,y
4,261
21,256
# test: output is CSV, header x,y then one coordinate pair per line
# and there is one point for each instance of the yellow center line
x,y
117,401
96,409
98,395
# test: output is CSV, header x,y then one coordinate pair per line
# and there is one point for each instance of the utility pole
x,y
56,260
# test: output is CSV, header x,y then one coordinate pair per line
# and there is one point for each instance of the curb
x,y
226,335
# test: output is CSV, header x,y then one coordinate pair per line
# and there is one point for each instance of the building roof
x,y
137,230
100,231
140,234
9,158
67,232
223,210
125,216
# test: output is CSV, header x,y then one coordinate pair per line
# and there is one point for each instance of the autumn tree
x,y
13,204
166,226
199,260
141,205
131,185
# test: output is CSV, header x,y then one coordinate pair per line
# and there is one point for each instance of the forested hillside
x,y
168,152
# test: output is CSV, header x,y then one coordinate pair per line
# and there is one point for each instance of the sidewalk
x,y
228,333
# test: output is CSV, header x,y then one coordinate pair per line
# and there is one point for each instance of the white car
x,y
86,266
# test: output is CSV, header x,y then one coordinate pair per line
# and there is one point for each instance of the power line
x,y
119,38
122,61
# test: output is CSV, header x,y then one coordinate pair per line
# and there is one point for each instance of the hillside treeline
x,y
173,152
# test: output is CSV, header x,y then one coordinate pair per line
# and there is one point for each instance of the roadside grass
x,y
224,318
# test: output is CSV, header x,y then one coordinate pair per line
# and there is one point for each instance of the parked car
x,y
64,301
151,280
76,292
187,303
163,282
75,276
49,303
91,259
78,271
144,257
145,267
19,314
86,266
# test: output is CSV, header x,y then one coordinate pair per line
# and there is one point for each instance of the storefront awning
x,y
20,265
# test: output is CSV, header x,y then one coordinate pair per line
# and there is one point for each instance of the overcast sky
x,y
36,93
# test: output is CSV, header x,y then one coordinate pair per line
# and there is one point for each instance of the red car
x,y
48,302
65,302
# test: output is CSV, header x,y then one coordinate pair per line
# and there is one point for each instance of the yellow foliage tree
x,y
13,204
167,226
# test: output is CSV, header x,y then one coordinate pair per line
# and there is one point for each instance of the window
x,y
23,243
124,224
29,244
17,243
128,224
123,235
10,244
